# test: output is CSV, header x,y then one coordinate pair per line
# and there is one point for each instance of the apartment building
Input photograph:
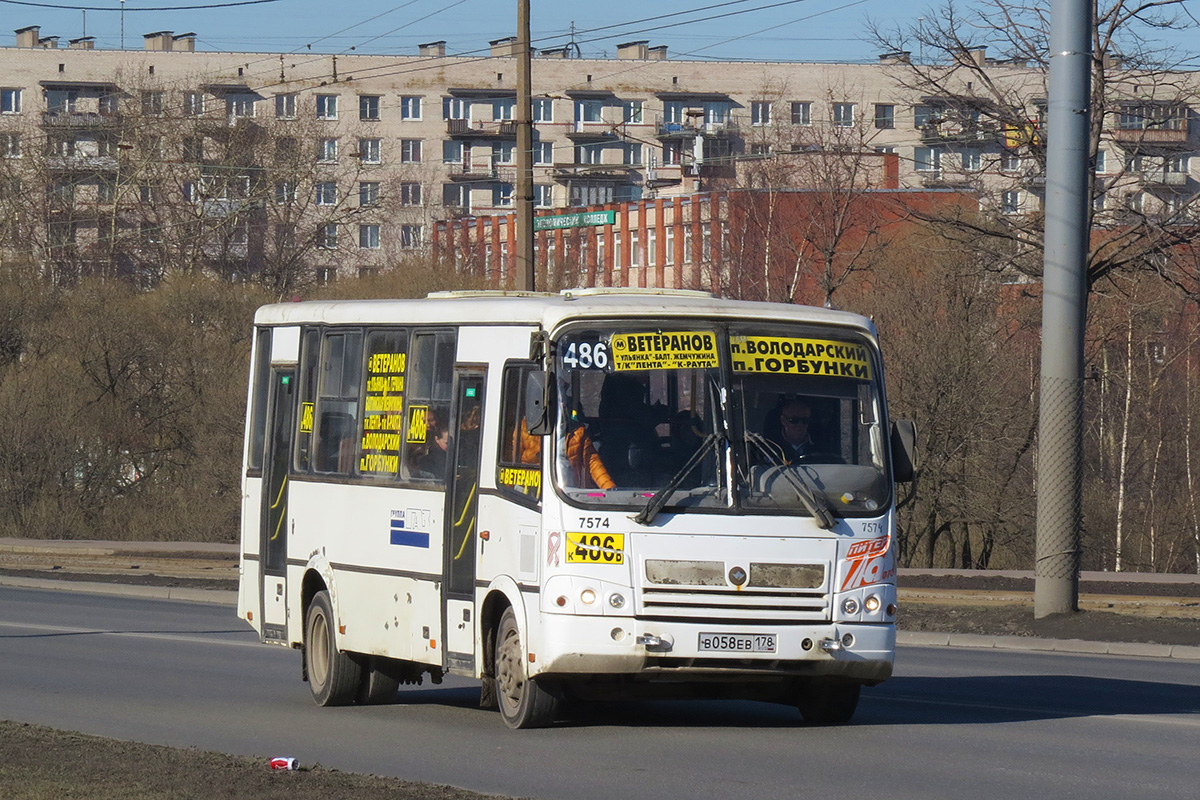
x,y
398,142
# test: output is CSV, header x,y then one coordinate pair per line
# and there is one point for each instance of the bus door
x,y
462,503
273,543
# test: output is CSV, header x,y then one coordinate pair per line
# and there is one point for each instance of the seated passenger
x,y
630,444
584,470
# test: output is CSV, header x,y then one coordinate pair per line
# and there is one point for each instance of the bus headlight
x,y
587,597
871,604
850,606
616,600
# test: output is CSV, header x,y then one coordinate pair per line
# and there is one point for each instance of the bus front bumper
x,y
579,645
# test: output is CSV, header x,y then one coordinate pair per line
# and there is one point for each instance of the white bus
x,y
573,495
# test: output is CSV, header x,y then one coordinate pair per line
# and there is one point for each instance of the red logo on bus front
x,y
867,562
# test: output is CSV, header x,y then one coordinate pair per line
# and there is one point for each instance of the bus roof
x,y
547,310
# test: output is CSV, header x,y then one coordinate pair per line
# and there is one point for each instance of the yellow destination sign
x,y
789,356
668,350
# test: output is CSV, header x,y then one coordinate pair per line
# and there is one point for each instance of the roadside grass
x,y
38,763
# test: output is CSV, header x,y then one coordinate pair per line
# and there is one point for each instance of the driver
x,y
795,416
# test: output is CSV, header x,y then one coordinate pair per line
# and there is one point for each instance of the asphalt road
x,y
952,723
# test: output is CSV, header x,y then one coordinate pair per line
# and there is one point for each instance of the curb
x,y
1030,644
209,596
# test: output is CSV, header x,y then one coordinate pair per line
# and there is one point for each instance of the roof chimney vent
x,y
184,41
48,42
433,49
658,53
159,40
28,37
502,48
82,43
633,51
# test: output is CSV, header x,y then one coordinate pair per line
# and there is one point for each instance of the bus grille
x,y
727,605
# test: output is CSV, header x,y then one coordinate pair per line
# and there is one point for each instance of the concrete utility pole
x,y
524,255
1064,309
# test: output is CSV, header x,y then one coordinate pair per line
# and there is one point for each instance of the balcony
x,y
592,132
610,172
1152,137
79,119
471,129
1158,178
689,128
81,163
958,134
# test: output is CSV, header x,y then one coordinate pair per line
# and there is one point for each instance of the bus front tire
x,y
524,702
823,703
334,677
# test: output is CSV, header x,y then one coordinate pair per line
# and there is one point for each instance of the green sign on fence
x,y
579,220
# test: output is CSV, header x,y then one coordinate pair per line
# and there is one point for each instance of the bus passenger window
x,y
337,403
428,387
310,350
520,464
383,404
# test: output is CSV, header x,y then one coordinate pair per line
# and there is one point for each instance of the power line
x,y
122,9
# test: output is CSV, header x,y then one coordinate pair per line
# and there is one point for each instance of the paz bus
x,y
573,495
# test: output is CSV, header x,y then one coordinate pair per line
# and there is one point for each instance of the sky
x,y
772,30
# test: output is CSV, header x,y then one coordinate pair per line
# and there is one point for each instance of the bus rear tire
x,y
827,703
524,702
333,676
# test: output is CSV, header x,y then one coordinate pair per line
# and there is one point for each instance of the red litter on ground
x,y
281,762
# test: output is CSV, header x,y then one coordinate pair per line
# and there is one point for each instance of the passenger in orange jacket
x,y
587,470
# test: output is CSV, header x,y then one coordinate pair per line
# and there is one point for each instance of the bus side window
x,y
429,384
310,350
337,402
520,464
258,406
378,443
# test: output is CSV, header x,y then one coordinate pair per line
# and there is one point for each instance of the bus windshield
x,y
766,418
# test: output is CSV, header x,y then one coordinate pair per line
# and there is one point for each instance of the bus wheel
x,y
524,702
333,676
823,703
377,687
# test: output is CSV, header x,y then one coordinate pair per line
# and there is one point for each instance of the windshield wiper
x,y
808,497
660,498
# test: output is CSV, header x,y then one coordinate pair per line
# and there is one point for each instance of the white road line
x,y
171,637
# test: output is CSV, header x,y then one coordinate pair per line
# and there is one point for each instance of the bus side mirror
x,y
538,401
904,450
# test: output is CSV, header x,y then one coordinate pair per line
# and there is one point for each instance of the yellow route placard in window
x,y
785,355
664,350
595,548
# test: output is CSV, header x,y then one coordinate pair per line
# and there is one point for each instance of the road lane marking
x,y
59,630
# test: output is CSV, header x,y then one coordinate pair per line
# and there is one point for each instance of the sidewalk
x,y
209,553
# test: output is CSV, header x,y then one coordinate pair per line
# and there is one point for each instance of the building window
x,y
588,153
543,109
285,192
543,153
1100,163
410,151
633,153
455,195
327,106
502,194
368,236
504,152
760,112
885,116
589,110
410,194
152,104
452,152
503,110
1010,161
369,151
327,236
760,149
635,250
922,116
326,193
240,106
61,101
368,193
327,150
652,247
802,113
455,108
410,107
669,245
843,115
633,112
10,145
285,106
672,153
368,106
927,159
972,161
10,101
411,237
543,196
673,112
1010,202
193,149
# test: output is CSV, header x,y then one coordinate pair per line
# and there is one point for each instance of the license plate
x,y
737,643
